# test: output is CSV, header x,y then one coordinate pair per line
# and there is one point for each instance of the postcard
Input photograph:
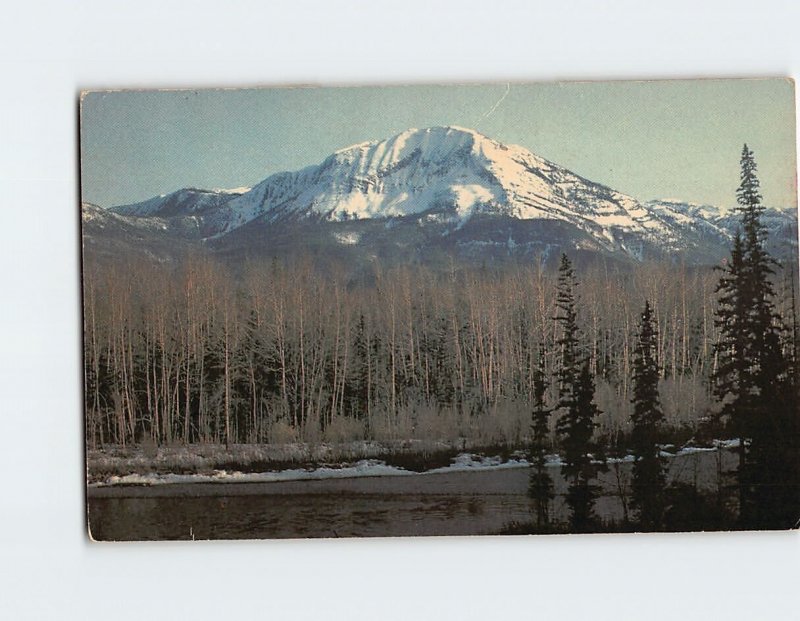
x,y
440,310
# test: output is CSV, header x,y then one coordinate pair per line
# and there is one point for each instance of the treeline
x,y
196,354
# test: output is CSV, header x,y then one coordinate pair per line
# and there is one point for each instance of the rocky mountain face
x,y
426,194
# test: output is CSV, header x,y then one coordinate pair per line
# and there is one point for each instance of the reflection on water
x,y
301,515
456,503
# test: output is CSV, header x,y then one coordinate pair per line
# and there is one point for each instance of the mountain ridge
x,y
444,178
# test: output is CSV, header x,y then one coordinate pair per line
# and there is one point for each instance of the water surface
x,y
452,503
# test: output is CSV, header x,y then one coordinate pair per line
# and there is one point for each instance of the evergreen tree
x,y
648,471
576,401
568,345
441,378
359,385
767,364
731,377
582,462
253,378
732,381
541,485
753,379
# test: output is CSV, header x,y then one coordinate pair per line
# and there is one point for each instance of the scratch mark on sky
x,y
491,110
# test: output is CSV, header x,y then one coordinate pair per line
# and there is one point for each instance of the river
x,y
479,502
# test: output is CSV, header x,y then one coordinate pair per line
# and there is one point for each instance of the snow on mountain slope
x,y
701,219
780,226
442,168
689,211
95,216
445,178
180,203
115,236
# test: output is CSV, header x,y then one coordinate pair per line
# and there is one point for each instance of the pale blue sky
x,y
666,139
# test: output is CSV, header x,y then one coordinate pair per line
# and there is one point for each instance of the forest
x,y
608,358
195,354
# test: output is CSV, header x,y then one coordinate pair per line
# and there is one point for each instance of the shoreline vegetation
x,y
143,465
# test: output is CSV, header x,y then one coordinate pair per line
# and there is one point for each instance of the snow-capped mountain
x,y
449,187
111,235
181,203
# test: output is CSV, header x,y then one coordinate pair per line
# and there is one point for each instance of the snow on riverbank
x,y
372,468
362,468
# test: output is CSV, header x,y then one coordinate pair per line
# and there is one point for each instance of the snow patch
x,y
240,190
349,238
467,197
463,462
363,468
468,461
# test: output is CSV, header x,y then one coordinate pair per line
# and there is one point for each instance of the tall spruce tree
x,y
648,470
581,457
568,345
541,485
732,381
752,379
767,364
576,401
358,397
731,378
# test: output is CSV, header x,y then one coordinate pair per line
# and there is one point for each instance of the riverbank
x,y
270,463
487,497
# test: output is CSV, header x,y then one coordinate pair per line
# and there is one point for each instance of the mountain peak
x,y
449,170
434,139
180,202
